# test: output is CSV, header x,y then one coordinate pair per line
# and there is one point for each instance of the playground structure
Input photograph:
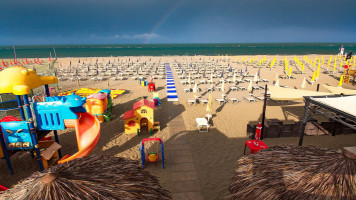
x,y
156,99
349,75
152,156
55,113
100,105
141,118
84,92
143,82
151,86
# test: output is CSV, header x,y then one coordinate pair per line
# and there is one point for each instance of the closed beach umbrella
x,y
255,79
195,89
295,172
223,86
234,78
341,80
189,81
93,177
304,83
249,88
246,69
277,83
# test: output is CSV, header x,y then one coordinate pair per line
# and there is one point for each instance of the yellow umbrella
x,y
303,67
341,80
290,71
313,78
317,73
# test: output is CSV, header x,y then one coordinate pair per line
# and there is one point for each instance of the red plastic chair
x,y
256,145
3,188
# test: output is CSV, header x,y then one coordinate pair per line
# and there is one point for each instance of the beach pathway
x,y
184,176
171,88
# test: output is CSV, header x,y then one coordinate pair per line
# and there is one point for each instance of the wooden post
x,y
304,123
264,112
317,87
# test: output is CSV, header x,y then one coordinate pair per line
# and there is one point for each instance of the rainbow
x,y
160,22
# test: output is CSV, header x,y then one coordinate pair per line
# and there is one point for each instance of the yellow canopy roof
x,y
339,90
285,94
20,80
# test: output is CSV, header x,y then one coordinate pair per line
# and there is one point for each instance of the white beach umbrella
x,y
304,83
234,78
255,79
189,81
249,88
223,86
277,83
211,76
195,88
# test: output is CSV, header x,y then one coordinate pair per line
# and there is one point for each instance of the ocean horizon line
x,y
179,49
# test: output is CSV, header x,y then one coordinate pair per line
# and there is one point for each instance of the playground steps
x,y
156,126
49,156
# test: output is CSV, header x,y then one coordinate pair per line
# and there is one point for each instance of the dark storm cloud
x,y
132,21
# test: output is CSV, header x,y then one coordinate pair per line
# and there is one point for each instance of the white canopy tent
x,y
289,94
340,90
339,108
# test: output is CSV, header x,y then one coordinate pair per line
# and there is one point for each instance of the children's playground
x,y
40,129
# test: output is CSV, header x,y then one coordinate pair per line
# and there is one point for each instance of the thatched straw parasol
x,y
92,177
294,172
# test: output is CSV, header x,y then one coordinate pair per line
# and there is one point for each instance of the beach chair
x,y
242,88
219,88
233,88
261,98
210,89
233,99
202,124
249,99
187,90
221,100
203,101
192,101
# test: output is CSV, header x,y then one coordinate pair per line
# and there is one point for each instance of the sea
x,y
107,50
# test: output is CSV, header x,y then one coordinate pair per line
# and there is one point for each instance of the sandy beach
x,y
215,152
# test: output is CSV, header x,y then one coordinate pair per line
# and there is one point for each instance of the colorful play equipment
x,y
3,188
84,92
55,113
100,105
152,156
143,82
256,145
151,86
141,118
156,99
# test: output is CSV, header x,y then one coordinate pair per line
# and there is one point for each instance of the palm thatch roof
x,y
294,172
92,177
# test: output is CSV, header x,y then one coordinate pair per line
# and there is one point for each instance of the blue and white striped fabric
x,y
171,88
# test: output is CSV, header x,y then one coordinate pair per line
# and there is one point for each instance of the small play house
x,y
141,117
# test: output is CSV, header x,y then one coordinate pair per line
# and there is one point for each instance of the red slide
x,y
87,130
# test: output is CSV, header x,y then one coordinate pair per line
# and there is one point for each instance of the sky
x,y
175,21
